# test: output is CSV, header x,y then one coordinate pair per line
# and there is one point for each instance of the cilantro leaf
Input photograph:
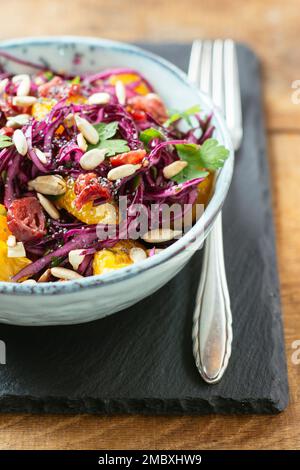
x,y
5,141
151,133
209,156
106,131
212,154
177,115
113,146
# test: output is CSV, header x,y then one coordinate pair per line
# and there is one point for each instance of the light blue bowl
x,y
98,296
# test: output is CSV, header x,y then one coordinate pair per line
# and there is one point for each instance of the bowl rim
x,y
203,225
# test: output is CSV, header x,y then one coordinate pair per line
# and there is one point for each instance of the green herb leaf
x,y
106,131
48,75
5,141
209,156
56,261
151,133
177,115
76,80
113,146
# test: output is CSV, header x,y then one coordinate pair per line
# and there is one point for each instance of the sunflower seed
x,y
24,86
53,185
24,101
75,258
174,168
87,129
120,92
11,241
137,254
160,235
99,98
122,171
3,84
41,156
17,251
92,158
64,273
20,142
48,206
29,282
82,144
18,121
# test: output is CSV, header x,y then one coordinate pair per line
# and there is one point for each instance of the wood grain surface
x,y
271,28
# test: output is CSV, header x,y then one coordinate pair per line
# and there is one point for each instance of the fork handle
x,y
212,324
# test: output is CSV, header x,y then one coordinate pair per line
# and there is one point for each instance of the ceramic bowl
x,y
96,297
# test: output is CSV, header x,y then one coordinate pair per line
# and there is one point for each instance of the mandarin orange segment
x,y
42,108
89,214
10,266
117,257
127,78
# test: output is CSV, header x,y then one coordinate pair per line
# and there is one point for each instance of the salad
x,y
73,150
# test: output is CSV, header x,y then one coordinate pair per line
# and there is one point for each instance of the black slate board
x,y
141,360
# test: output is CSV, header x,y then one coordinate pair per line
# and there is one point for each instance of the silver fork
x,y
213,68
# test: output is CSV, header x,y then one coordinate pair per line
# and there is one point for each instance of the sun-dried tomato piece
x,y
88,188
52,88
25,219
134,157
151,104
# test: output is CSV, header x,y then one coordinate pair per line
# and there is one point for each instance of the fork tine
x,y
218,75
205,78
195,60
233,108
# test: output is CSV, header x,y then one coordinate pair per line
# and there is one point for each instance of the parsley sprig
x,y
186,115
209,156
106,132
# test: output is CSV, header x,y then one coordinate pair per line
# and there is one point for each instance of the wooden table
x,y
271,28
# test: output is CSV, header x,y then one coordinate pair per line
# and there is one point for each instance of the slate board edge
x,y
145,406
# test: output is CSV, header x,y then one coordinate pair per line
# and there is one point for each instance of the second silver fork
x,y
213,68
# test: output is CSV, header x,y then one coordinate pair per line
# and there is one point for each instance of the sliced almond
x,y
137,254
20,142
122,171
69,120
3,84
24,101
53,185
92,158
24,86
45,276
87,129
18,121
99,98
120,92
75,258
64,273
174,168
41,156
48,206
29,282
11,241
17,251
82,144
160,235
